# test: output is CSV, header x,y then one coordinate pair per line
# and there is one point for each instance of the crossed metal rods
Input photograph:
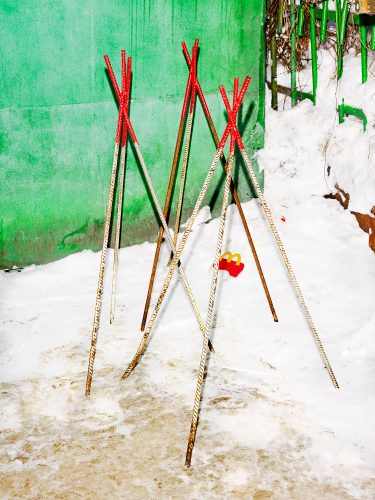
x,y
125,96
231,129
124,118
192,87
121,136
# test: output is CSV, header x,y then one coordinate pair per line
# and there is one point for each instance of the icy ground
x,y
271,426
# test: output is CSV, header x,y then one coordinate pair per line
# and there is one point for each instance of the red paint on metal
x,y
235,95
119,97
233,112
198,86
112,77
193,71
123,71
122,112
232,124
126,91
187,95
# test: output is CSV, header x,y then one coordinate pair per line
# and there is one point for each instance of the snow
x,y
349,153
271,424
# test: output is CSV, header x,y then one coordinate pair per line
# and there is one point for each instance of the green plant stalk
x,y
363,36
344,20
372,46
338,44
338,9
301,18
323,24
293,66
273,73
280,17
314,58
331,16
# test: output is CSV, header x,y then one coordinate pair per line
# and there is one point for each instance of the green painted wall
x,y
58,115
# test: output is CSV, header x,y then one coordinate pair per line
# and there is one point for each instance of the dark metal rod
x,y
233,190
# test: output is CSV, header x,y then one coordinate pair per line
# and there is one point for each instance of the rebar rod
x,y
193,70
280,245
211,304
107,224
233,190
168,200
182,179
212,296
126,82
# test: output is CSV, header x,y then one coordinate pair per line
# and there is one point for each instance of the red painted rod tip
x,y
222,90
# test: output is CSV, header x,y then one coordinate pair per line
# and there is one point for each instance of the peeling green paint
x,y
58,115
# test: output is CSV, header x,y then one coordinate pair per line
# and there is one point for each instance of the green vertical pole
x,y
301,18
280,17
338,44
372,46
363,35
314,58
341,109
293,66
273,72
338,10
323,24
344,20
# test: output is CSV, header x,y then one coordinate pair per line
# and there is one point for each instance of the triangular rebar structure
x,y
124,124
231,129
194,89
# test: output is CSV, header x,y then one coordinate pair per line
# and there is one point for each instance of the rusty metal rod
x,y
268,215
212,297
107,225
126,83
189,128
168,200
233,190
